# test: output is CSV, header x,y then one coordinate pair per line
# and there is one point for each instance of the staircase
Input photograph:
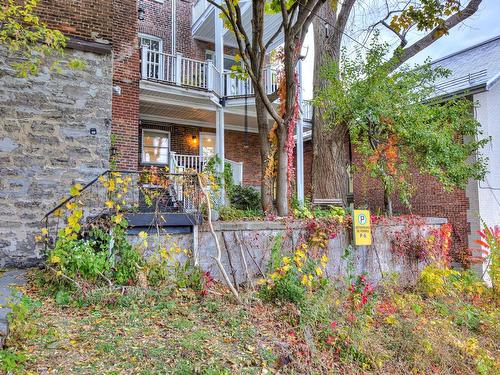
x,y
170,202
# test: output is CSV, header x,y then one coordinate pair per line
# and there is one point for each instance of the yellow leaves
x,y
109,204
324,261
307,280
75,190
54,259
70,205
319,271
45,231
391,320
117,219
143,235
38,238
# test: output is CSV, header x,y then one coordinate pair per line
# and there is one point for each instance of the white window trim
x,y
142,145
152,37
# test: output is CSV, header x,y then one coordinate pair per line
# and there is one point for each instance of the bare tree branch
x,y
402,55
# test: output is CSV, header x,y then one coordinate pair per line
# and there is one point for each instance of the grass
x,y
169,331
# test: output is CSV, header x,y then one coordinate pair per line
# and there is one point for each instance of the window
x,y
228,60
207,145
155,58
155,146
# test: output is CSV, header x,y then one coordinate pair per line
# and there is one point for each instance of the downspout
x,y
174,27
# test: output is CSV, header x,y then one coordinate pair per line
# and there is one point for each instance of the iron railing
x,y
136,193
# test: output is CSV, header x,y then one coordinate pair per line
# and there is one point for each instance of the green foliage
x,y
22,32
11,361
230,213
79,258
392,122
244,198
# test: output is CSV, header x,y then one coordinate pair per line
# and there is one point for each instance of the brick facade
x,y
429,199
85,19
158,22
126,78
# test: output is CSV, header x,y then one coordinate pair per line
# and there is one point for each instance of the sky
x,y
483,25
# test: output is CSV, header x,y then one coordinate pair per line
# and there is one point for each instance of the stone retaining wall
x,y
46,144
257,239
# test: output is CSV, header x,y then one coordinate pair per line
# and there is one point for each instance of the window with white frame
x,y
155,57
155,146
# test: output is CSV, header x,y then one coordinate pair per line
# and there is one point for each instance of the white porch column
x,y
300,141
219,63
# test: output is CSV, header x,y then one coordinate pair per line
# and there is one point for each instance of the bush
x,y
244,198
229,213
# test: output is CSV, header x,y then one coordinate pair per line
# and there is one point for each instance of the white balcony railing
x,y
182,71
181,163
234,86
307,110
198,9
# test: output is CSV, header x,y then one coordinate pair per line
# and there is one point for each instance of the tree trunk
x,y
330,146
266,187
388,203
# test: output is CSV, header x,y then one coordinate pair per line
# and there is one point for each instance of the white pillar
x,y
300,141
219,63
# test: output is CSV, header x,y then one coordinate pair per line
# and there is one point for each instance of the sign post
x,y
362,228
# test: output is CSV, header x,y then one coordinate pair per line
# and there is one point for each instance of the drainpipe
x,y
300,140
174,27
219,63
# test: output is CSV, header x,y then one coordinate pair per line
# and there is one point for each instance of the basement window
x,y
155,147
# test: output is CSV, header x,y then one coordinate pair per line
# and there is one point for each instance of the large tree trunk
x,y
330,146
266,187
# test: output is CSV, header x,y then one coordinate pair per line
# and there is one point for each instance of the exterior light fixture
x,y
194,139
113,151
327,30
141,12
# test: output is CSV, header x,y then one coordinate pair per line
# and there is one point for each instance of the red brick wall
x,y
79,18
429,199
158,22
237,149
125,126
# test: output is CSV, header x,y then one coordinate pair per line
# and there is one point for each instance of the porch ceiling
x,y
204,28
193,116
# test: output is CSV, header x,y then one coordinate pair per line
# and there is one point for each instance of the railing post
x,y
178,69
144,62
269,80
171,162
210,75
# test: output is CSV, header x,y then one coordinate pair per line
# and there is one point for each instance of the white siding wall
x,y
488,114
484,196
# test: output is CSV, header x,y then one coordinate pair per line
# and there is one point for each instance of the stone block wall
x,y
46,144
257,239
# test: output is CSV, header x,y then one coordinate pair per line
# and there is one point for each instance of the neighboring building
x,y
54,128
475,74
156,90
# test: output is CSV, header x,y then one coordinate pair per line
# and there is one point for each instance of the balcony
x,y
202,75
204,16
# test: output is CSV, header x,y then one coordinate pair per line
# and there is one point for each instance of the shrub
x,y
244,198
229,213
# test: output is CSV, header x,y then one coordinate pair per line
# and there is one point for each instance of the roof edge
x,y
466,49
492,81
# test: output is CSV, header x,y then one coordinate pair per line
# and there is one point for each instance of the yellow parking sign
x,y
362,228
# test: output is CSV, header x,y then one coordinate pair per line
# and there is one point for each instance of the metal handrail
x,y
85,187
